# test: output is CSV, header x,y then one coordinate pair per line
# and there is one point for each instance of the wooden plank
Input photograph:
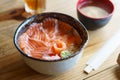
x,y
112,73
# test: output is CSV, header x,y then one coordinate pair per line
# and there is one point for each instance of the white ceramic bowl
x,y
52,67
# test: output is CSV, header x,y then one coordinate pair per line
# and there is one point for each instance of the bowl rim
x,y
21,52
110,14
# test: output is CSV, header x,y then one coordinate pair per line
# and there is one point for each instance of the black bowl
x,y
93,23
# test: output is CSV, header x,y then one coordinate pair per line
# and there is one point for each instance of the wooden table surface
x,y
12,66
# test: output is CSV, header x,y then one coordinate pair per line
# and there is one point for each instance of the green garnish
x,y
65,54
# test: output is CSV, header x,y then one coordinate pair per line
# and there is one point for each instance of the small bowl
x,y
94,14
52,67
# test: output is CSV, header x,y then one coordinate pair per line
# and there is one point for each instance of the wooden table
x,y
12,66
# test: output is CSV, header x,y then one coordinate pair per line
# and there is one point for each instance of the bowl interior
x,y
106,5
40,17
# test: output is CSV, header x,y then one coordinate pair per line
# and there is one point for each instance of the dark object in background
x,y
94,6
118,60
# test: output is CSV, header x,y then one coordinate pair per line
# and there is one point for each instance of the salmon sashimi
x,y
47,39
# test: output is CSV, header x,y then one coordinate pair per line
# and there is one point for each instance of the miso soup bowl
x,y
52,67
92,22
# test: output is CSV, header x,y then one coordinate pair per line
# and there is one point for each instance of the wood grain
x,y
12,66
111,73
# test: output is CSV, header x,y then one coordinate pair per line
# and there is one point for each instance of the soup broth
x,y
94,11
50,39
